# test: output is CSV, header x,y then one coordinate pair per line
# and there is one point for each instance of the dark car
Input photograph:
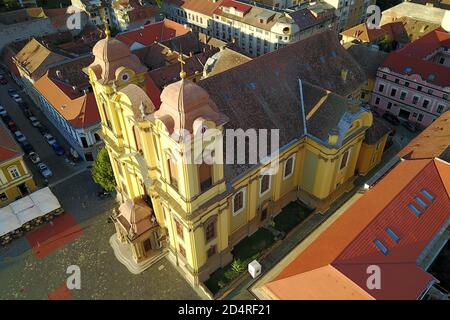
x,y
42,129
6,119
27,112
3,81
27,147
58,149
12,92
391,119
12,126
410,127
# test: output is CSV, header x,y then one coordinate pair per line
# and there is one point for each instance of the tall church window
x,y
173,173
205,176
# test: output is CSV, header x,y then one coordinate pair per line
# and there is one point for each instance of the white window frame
x,y
285,177
14,168
260,184
243,190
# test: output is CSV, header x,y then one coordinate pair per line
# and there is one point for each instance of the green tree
x,y
102,172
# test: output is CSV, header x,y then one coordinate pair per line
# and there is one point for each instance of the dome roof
x,y
136,216
111,49
110,55
183,102
184,93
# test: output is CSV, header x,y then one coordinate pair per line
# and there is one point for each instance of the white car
x,y
20,137
17,98
50,140
34,157
34,121
3,111
45,171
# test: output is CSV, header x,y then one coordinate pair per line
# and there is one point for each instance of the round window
x,y
125,77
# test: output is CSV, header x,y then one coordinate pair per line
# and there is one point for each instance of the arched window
x,y
205,176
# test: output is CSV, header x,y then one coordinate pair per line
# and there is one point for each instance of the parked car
x,y
27,113
42,129
49,138
27,147
12,126
19,136
389,117
410,127
3,112
34,157
45,171
3,80
12,92
17,98
58,149
34,121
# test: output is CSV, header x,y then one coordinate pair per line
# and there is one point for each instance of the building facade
x,y
203,210
16,180
255,29
414,82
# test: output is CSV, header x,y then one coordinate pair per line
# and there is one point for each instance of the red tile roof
x,y
9,148
159,31
80,110
348,244
433,142
413,55
362,33
205,7
236,5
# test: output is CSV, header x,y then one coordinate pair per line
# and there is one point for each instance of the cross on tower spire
x,y
182,63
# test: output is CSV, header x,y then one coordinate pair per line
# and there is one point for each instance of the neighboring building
x,y
16,180
362,33
202,211
63,43
66,99
197,15
395,230
414,11
27,23
443,4
255,30
405,29
275,4
222,61
155,32
97,10
414,82
433,142
350,12
32,63
130,14
370,59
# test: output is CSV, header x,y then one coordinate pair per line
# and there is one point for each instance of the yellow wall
x,y
370,155
9,185
316,170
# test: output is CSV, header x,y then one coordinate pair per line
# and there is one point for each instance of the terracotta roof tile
x,y
150,33
413,56
9,148
348,244
433,142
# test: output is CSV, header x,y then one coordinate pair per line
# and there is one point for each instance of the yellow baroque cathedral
x,y
197,213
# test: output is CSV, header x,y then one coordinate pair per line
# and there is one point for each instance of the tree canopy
x,y
102,171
